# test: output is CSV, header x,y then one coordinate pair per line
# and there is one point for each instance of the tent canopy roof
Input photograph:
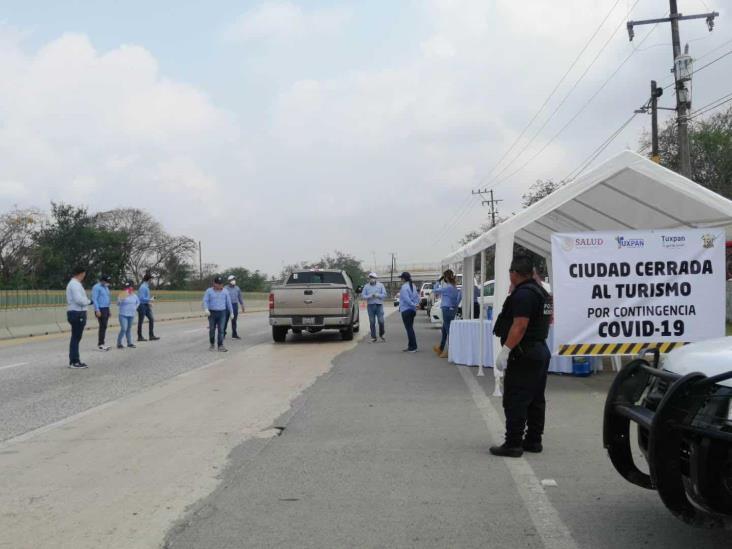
x,y
628,192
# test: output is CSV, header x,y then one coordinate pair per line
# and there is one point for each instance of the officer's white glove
x,y
208,313
502,358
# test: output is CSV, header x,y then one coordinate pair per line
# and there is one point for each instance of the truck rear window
x,y
314,277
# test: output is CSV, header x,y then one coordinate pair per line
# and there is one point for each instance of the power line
x,y
598,151
577,114
456,221
711,106
571,90
556,87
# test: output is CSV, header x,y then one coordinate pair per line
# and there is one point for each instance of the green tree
x,y
710,141
247,280
71,238
539,190
339,260
18,228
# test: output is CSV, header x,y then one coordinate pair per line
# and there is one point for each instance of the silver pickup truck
x,y
314,300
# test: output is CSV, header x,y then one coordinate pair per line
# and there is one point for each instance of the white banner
x,y
617,292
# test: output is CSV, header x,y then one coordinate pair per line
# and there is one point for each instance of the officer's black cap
x,y
105,278
218,280
522,265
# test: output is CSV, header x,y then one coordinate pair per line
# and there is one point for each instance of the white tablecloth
x,y
464,348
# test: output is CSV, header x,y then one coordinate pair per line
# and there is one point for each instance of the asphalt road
x,y
37,389
391,450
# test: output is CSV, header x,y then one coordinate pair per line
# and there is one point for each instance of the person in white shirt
x,y
76,314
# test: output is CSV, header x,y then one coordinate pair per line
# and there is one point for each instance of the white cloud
x,y
280,20
108,129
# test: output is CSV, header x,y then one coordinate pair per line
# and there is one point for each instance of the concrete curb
x,y
53,320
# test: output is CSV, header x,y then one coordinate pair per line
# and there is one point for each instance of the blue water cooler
x,y
581,366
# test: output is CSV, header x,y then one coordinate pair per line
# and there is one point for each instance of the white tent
x,y
628,192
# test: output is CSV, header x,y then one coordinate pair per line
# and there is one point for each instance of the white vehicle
x,y
424,295
435,311
486,301
683,411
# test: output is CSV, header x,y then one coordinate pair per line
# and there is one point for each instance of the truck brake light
x,y
271,301
346,300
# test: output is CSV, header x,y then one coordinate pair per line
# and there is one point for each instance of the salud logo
x,y
708,240
591,242
630,242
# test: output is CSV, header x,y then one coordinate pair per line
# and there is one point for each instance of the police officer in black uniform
x,y
523,327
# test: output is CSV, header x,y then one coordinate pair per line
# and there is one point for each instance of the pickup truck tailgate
x,y
308,300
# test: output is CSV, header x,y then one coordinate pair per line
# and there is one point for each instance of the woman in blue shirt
x,y
408,301
127,303
450,296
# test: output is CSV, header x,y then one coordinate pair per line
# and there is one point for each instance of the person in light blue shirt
x,y
217,303
237,299
101,301
145,309
450,298
374,293
128,302
408,301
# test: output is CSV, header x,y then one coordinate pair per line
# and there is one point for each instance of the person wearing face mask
x,y
145,309
408,301
127,301
236,300
374,293
450,298
216,303
101,300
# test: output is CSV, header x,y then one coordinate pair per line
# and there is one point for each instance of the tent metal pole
x,y
481,300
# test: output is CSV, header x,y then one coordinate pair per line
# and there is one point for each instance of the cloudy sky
x,y
276,130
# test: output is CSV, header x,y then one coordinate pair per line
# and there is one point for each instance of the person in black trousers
x,y
408,301
144,310
102,301
523,327
77,302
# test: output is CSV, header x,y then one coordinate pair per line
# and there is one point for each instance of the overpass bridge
x,y
421,272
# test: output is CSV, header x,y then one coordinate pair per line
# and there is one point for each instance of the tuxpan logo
x,y
673,241
634,243
567,244
708,240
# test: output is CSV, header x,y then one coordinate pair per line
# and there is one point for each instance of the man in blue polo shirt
x,y
217,303
101,301
145,309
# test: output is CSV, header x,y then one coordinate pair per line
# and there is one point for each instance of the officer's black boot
x,y
533,447
504,450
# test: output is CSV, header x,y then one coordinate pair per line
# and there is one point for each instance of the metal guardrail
x,y
29,299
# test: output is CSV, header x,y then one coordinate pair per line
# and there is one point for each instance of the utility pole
x,y
200,261
683,101
391,277
493,212
656,92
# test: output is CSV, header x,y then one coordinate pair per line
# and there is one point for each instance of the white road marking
x,y
13,365
549,482
65,421
553,532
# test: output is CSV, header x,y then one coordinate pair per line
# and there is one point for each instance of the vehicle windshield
x,y
316,277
